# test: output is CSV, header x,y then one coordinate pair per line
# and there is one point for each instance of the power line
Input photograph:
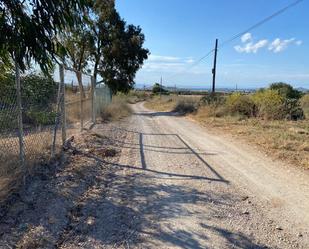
x,y
194,64
258,24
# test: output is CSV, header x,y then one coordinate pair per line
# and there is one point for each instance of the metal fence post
x,y
93,106
20,119
81,100
59,97
63,114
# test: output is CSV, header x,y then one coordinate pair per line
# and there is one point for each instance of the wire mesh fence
x,y
37,113
102,96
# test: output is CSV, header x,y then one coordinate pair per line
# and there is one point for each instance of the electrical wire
x,y
258,24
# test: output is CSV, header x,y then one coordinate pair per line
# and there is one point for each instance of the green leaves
x,y
286,90
122,51
84,32
30,29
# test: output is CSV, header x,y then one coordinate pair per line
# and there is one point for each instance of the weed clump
x,y
304,103
185,106
238,103
268,104
117,110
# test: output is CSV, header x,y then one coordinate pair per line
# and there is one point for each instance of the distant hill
x,y
302,89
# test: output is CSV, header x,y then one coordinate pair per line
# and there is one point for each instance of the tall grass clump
x,y
304,102
269,104
238,103
117,110
212,105
272,104
185,106
134,96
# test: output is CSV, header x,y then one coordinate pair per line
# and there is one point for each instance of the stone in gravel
x,y
106,152
299,235
246,212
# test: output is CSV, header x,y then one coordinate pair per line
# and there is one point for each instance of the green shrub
x,y
185,106
157,89
238,103
269,104
286,90
215,99
36,90
38,117
8,120
272,104
293,110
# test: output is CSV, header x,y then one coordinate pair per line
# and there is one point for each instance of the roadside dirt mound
x,y
60,199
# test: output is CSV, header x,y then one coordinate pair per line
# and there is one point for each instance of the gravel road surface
x,y
195,189
159,180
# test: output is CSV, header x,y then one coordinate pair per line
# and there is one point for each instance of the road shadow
x,y
218,177
159,114
186,149
130,216
94,204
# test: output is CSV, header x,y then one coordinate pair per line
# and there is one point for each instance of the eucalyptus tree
x,y
117,51
30,30
78,44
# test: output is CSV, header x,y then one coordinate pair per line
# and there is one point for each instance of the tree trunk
x,y
80,84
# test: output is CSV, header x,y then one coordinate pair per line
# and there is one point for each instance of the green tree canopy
x,y
106,42
119,51
158,89
30,29
286,90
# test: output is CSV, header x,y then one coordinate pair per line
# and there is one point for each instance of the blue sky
x,y
180,32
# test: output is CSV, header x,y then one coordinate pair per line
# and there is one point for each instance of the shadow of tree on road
x,y
98,204
133,209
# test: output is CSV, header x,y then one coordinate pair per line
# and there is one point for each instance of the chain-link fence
x,y
102,96
38,113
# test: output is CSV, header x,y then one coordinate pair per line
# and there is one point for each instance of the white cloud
x,y
156,63
279,45
299,42
275,46
251,47
161,58
246,38
190,60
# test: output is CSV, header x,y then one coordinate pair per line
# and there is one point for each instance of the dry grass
x,y
37,147
117,110
170,102
305,104
73,113
37,151
281,139
134,97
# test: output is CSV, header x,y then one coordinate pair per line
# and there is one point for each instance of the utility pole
x,y
214,68
160,87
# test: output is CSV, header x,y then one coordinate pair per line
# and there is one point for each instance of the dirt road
x,y
172,184
199,190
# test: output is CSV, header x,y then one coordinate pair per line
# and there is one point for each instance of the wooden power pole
x,y
160,87
214,68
